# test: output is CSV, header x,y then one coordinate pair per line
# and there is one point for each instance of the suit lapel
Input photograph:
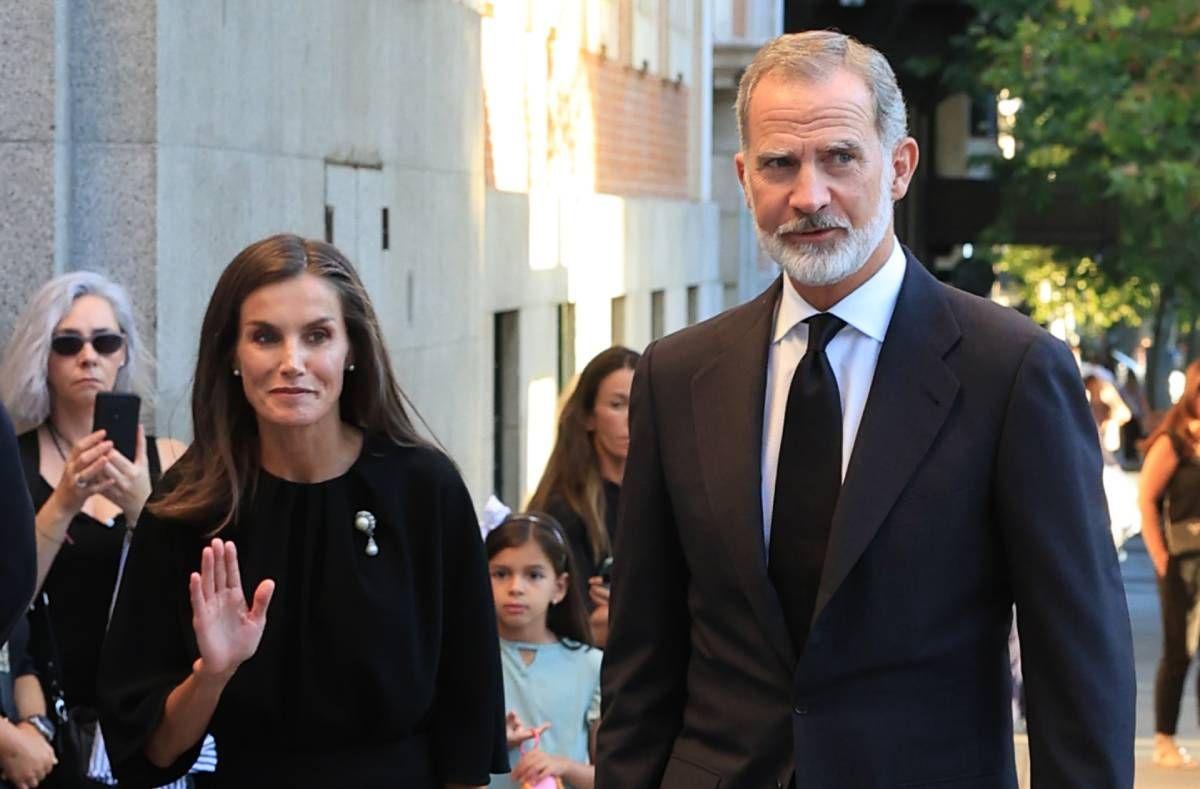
x,y
911,395
727,402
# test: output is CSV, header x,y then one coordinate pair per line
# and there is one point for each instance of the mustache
x,y
806,224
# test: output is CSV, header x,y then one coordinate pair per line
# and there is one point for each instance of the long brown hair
x,y
224,455
1175,422
569,618
573,472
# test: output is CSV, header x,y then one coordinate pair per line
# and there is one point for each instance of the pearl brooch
x,y
365,523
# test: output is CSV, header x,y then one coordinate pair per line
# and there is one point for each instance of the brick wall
x,y
641,130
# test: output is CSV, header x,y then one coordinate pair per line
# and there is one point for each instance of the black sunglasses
x,y
71,344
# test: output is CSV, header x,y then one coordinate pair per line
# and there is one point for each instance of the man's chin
x,y
815,274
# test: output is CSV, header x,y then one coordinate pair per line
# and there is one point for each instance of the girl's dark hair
x,y
568,620
1186,408
223,459
573,472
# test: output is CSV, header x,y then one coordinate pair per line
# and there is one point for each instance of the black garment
x,y
81,581
974,483
587,563
808,479
14,662
18,562
1178,591
373,670
1181,499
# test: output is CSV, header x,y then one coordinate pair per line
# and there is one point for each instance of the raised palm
x,y
227,633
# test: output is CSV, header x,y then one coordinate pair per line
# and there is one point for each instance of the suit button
x,y
800,710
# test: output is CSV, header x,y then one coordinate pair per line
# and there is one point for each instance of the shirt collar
x,y
868,308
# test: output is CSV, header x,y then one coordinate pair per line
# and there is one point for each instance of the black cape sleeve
x,y
148,651
468,738
18,563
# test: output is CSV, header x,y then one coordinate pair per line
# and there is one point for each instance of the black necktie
x,y
807,480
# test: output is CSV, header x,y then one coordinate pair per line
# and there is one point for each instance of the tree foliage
x,y
1110,106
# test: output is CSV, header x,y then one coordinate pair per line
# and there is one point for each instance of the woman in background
x,y
581,486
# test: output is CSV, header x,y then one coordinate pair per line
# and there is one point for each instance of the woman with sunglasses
x,y
75,339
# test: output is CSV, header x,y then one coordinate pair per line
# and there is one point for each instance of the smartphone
x,y
605,570
117,414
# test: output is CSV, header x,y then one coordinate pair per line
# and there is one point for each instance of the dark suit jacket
x,y
974,483
18,564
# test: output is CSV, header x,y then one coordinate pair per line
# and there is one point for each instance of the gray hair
x,y
814,55
23,385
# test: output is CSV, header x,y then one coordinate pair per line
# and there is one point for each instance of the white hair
x,y
814,55
23,384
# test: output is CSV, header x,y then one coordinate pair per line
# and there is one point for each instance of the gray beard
x,y
824,264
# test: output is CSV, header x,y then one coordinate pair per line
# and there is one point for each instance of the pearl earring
x,y
237,373
365,523
350,369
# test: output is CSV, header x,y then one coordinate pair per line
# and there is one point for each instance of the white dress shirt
x,y
852,353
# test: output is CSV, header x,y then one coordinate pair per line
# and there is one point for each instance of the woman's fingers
x,y
262,600
96,454
88,442
195,591
139,454
219,576
206,573
233,575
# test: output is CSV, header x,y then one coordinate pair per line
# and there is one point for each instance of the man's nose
x,y
810,191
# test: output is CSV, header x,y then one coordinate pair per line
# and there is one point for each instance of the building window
x,y
506,407
657,318
693,304
566,344
618,320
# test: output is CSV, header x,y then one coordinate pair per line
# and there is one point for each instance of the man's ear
x,y
905,156
739,163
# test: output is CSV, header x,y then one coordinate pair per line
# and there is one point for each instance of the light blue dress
x,y
561,687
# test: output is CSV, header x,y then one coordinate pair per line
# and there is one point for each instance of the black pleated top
x,y
373,670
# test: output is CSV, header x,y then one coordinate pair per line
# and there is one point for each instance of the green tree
x,y
1110,110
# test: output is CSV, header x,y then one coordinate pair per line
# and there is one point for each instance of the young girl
x,y
551,676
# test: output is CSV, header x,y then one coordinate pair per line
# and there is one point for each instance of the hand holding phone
x,y
116,413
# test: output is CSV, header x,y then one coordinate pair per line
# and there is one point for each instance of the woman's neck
x,y
313,453
612,468
532,633
70,424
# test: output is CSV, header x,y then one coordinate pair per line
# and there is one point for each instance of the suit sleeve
x,y
645,662
1076,645
18,563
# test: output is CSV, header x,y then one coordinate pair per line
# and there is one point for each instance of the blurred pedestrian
x,y
1169,496
581,486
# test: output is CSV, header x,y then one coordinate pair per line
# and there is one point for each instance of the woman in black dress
x,y
1169,497
77,337
307,485
581,486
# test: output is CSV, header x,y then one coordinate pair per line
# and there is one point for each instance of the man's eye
x,y
843,157
777,163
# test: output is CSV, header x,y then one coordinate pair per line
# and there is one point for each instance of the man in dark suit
x,y
836,492
18,564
